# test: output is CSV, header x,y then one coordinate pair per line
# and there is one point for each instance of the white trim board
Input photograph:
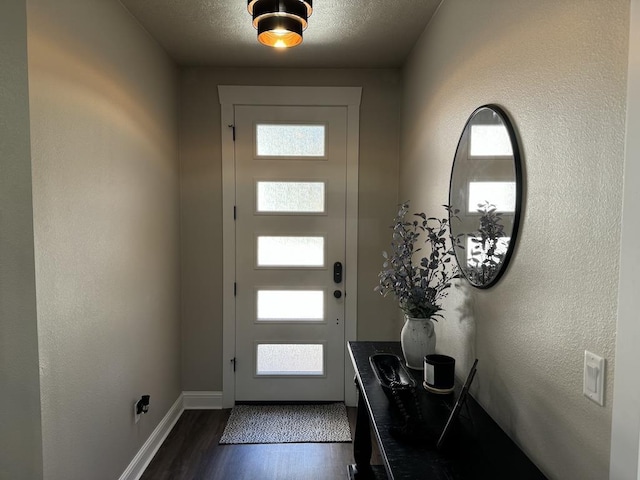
x,y
230,96
297,96
625,423
202,400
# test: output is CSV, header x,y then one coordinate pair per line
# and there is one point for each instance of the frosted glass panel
x,y
500,194
299,197
290,251
490,141
290,140
290,359
290,305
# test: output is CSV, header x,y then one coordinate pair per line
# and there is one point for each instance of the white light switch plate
x,y
593,385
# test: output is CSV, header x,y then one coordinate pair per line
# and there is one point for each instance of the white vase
x,y
418,339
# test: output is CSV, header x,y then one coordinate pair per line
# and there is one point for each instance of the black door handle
x,y
337,293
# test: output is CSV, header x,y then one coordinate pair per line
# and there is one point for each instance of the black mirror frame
x,y
517,161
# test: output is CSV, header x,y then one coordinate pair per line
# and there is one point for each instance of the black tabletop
x,y
476,448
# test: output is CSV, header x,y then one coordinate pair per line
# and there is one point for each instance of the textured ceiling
x,y
341,33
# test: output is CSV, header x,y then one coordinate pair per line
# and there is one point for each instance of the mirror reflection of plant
x,y
485,255
419,289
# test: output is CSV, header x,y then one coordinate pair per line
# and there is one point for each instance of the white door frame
x,y
230,96
625,428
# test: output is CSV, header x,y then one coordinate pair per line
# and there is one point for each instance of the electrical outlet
x,y
593,386
136,415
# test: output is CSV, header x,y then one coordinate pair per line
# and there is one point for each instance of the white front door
x,y
290,233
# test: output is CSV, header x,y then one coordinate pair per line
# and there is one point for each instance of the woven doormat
x,y
287,424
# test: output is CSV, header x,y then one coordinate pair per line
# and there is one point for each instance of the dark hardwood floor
x,y
191,452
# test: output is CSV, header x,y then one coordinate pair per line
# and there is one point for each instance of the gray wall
x,y
201,202
559,70
105,200
20,432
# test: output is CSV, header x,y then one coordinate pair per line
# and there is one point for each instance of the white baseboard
x,y
144,456
202,400
186,401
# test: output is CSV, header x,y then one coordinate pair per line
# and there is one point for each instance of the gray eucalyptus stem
x,y
419,288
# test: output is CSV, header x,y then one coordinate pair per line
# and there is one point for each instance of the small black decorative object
x,y
400,387
439,373
391,373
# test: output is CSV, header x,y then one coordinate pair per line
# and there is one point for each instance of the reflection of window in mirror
x,y
489,141
476,254
501,194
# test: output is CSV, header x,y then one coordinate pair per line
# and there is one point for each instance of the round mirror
x,y
485,194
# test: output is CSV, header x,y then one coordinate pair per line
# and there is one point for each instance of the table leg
x,y
361,442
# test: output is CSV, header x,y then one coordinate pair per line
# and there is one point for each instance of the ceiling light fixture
x,y
280,22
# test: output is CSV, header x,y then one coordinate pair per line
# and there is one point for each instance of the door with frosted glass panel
x,y
290,232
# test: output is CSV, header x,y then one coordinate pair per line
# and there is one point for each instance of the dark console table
x,y
477,448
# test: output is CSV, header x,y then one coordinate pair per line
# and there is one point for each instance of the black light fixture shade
x,y
307,3
293,9
280,22
279,32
